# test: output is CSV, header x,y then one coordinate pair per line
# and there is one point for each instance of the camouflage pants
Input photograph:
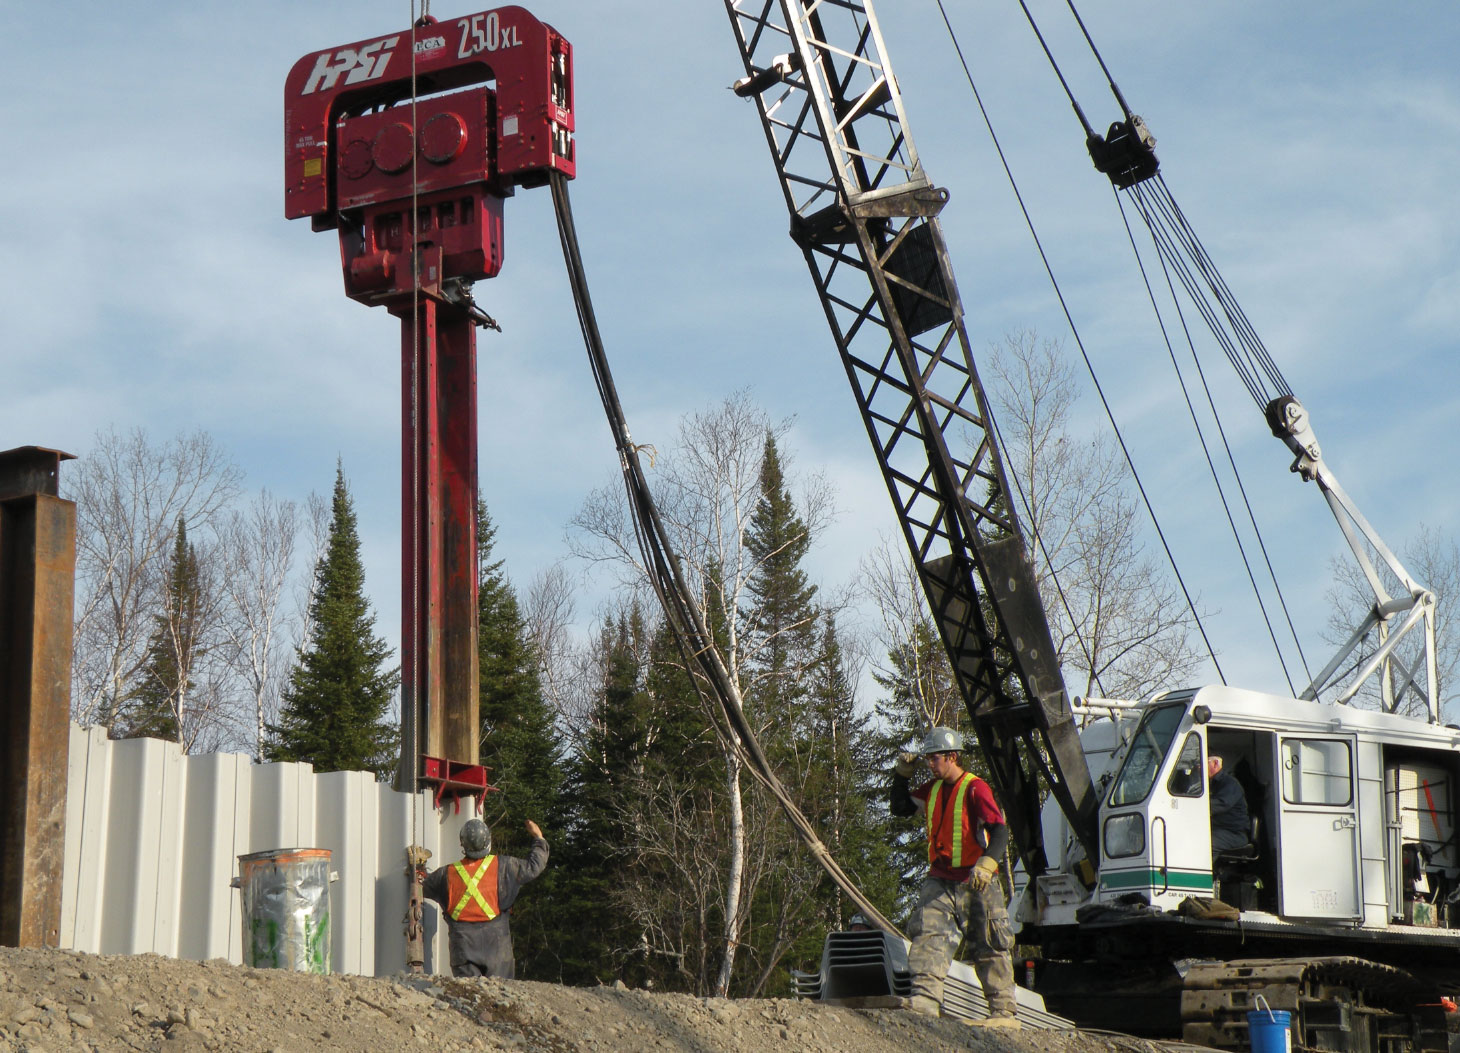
x,y
944,912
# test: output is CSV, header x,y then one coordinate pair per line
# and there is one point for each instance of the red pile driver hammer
x,y
407,144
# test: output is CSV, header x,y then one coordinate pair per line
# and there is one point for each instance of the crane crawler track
x,y
1343,1004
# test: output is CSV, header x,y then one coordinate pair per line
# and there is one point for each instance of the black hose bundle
x,y
696,645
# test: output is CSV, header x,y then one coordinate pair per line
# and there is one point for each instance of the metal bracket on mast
x,y
833,225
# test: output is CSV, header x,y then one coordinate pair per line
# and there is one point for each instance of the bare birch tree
x,y
1121,627
258,546
130,493
911,661
317,527
565,669
210,715
183,689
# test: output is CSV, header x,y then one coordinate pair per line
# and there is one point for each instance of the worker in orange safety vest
x,y
967,837
476,895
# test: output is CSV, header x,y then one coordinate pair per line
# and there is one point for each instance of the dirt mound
x,y
60,1000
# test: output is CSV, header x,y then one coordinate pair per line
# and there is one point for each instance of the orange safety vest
x,y
951,830
469,900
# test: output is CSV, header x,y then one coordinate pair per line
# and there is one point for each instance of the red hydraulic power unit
x,y
407,144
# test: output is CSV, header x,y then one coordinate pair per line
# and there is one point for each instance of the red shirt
x,y
979,808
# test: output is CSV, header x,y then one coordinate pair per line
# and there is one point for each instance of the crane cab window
x,y
1188,774
1316,771
1147,751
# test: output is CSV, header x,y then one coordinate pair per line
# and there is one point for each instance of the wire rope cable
x,y
1079,342
1253,363
1038,35
1109,79
415,687
1176,242
1202,439
1227,448
663,570
1249,355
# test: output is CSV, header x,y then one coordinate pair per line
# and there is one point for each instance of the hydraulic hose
x,y
695,642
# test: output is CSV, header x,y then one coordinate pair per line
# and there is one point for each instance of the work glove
x,y
983,873
906,766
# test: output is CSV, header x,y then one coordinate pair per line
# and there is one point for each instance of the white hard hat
x,y
941,740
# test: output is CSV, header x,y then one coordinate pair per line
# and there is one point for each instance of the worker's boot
x,y
1004,1020
923,1005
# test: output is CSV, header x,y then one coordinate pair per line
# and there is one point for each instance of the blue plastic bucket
x,y
1269,1032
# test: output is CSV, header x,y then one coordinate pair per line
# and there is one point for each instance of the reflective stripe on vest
x,y
960,794
471,904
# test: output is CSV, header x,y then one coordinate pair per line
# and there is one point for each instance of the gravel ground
x,y
61,1000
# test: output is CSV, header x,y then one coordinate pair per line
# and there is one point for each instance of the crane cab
x,y
1352,818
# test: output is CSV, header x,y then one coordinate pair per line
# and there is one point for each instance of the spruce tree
x,y
783,628
336,707
781,619
605,776
681,824
519,743
154,707
647,838
847,794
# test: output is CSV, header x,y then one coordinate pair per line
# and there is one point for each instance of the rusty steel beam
x,y
37,581
439,667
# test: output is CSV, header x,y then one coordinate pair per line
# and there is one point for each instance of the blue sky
x,y
150,278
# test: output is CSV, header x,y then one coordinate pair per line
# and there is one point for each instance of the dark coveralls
x,y
1230,824
484,948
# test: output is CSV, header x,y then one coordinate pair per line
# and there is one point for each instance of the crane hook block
x,y
380,143
1126,153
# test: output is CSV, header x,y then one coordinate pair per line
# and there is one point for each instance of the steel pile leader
x,y
412,173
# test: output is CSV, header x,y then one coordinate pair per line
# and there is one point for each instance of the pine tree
x,y
841,788
519,743
647,839
800,696
335,712
155,706
680,823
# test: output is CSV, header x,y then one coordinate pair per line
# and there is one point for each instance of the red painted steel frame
x,y
439,668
